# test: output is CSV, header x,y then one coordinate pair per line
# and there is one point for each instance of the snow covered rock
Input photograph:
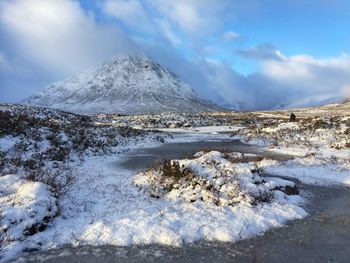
x,y
213,179
25,207
126,84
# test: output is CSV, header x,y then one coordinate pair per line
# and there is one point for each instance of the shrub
x,y
5,240
2,159
172,169
347,131
127,131
58,154
5,123
320,124
60,180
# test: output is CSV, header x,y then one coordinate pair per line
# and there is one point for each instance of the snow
x,y
105,208
213,179
206,129
319,156
309,171
291,150
283,126
24,204
7,142
192,137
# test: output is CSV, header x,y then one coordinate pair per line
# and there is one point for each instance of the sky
x,y
252,54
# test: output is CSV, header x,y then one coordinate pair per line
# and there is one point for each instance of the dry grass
x,y
5,240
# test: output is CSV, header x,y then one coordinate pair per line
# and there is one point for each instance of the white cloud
x,y
58,35
310,74
231,36
185,23
44,41
261,52
168,32
130,12
183,13
3,61
346,91
192,16
134,15
300,80
303,80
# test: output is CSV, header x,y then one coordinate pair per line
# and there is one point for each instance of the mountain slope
x,y
313,101
127,84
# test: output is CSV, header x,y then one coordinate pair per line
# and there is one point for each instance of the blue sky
x,y
230,51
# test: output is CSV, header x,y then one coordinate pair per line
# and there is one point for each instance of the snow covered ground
x,y
322,154
104,206
26,206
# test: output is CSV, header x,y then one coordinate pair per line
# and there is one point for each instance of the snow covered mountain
x,y
314,101
130,84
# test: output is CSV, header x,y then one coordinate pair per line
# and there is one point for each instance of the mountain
x,y
313,101
130,84
340,106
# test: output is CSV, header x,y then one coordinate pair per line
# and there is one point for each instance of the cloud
x,y
290,81
231,36
298,80
134,16
3,61
58,34
346,91
130,12
183,13
310,75
54,39
173,21
168,32
261,52
195,17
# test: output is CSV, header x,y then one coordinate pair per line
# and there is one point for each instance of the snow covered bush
x,y
25,207
329,131
60,179
213,179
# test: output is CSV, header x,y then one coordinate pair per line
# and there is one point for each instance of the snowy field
x,y
104,203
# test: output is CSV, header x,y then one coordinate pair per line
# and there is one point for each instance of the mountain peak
x,y
126,84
